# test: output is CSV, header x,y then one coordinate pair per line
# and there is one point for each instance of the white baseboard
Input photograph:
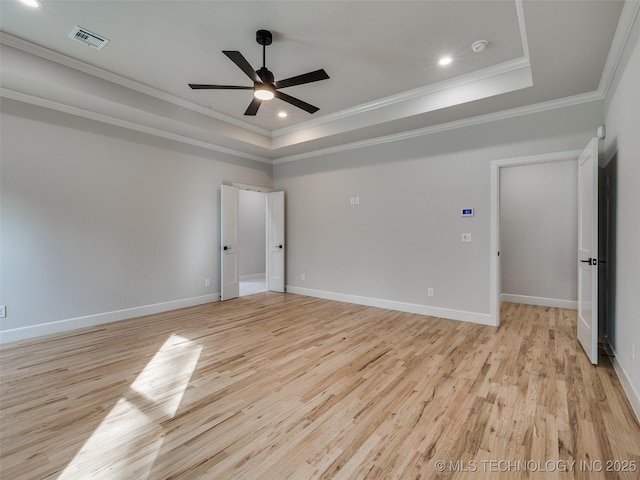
x,y
252,276
59,326
542,301
473,317
627,386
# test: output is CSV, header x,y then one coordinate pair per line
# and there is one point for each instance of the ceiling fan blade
x,y
199,86
304,78
237,58
296,102
253,107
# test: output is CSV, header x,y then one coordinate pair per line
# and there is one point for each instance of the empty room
x,y
319,240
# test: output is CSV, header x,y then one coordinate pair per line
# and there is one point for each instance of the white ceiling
x,y
381,57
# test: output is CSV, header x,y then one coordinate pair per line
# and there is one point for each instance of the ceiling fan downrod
x,y
264,38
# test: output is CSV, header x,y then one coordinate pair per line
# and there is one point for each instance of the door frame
x,y
266,191
252,188
494,235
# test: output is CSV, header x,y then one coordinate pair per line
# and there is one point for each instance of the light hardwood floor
x,y
276,386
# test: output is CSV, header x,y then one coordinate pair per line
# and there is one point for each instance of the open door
x,y
588,250
229,275
275,241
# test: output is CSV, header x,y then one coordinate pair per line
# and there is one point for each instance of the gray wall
x,y
98,219
405,235
538,233
623,143
252,232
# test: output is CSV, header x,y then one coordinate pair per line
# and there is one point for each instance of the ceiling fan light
x,y
30,3
263,92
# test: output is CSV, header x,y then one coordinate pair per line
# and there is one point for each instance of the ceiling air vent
x,y
88,38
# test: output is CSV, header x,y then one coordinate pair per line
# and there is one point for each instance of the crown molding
x,y
491,71
84,67
443,127
523,28
628,17
138,127
414,94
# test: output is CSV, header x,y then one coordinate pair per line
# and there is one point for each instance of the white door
x,y
588,250
229,206
275,241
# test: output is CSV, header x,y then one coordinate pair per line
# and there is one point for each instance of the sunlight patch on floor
x,y
165,378
128,440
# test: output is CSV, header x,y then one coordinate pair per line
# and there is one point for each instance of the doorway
x,y
587,261
608,197
252,242
271,267
495,229
538,233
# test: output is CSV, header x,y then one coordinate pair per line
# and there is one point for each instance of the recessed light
x,y
30,3
445,61
282,114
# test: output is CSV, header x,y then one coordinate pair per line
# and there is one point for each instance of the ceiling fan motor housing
x,y
265,75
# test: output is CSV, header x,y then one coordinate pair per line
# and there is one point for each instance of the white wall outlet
x,y
430,292
303,277
207,282
466,237
357,200
3,311
353,200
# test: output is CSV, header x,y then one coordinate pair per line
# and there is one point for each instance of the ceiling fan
x,y
264,87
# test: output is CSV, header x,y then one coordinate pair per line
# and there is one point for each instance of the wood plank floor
x,y
277,386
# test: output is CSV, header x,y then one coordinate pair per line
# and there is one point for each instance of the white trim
x,y
628,15
541,301
59,326
623,30
253,276
135,126
523,29
443,127
461,315
494,219
89,69
252,188
410,95
416,93
627,386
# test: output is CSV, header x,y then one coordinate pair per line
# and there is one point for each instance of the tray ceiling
x,y
381,56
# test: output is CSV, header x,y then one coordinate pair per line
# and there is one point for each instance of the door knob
x,y
225,248
590,261
279,246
